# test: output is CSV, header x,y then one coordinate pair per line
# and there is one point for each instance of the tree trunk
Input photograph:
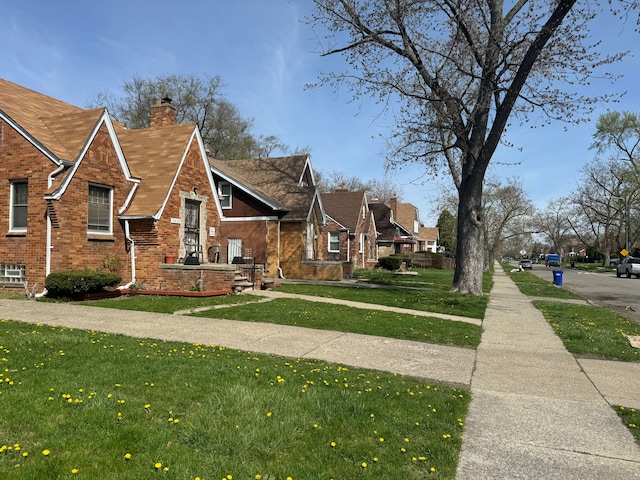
x,y
471,248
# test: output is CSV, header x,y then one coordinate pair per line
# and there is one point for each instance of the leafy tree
x,y
618,135
224,131
456,73
447,225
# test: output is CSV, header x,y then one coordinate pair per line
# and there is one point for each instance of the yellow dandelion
x,y
46,453
127,456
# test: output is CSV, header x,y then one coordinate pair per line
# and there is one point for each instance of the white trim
x,y
247,219
228,178
21,181
221,195
104,118
18,128
329,242
101,232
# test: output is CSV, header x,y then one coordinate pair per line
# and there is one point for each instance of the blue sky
x,y
266,54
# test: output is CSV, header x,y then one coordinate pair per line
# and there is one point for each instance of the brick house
x,y
350,233
83,191
392,236
272,214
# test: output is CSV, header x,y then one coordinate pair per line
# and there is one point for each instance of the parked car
x,y
526,264
628,266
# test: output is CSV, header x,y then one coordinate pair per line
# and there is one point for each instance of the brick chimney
x,y
163,113
393,205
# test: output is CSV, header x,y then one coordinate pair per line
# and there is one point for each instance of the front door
x,y
191,227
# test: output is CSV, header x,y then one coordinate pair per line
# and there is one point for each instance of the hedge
x,y
70,282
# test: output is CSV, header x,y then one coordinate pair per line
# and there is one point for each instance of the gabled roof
x,y
344,207
155,155
429,233
60,129
386,226
283,183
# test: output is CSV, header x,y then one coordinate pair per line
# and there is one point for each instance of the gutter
x,y
132,252
48,246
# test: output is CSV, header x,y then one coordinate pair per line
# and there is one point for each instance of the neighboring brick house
x,y
428,238
272,213
82,191
392,236
350,234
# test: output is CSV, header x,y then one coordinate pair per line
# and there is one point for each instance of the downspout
x,y
48,246
132,252
348,247
279,269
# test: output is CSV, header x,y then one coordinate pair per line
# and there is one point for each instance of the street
x,y
619,294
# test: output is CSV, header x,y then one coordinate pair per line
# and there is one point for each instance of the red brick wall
x,y
169,237
72,246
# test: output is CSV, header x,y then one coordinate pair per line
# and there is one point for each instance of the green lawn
x,y
426,300
324,316
84,404
534,286
593,331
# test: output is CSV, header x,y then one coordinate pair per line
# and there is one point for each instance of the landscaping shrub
x,y
403,258
390,263
72,282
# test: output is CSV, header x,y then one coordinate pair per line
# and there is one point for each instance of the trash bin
x,y
557,277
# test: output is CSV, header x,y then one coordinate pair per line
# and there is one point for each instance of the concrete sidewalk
x,y
534,413
418,359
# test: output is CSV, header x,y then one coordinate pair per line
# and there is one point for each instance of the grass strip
x,y
425,300
168,304
592,331
631,418
324,316
105,406
534,286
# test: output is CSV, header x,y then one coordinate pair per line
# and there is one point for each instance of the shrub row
x,y
71,282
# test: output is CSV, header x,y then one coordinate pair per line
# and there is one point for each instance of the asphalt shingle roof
x,y
275,179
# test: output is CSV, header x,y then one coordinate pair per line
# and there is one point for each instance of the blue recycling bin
x,y
557,277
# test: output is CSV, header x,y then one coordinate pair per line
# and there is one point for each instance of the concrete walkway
x,y
536,412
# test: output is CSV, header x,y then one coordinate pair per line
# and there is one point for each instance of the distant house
x,y
392,237
428,238
272,213
350,233
80,190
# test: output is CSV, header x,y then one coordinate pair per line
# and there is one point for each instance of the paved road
x,y
619,294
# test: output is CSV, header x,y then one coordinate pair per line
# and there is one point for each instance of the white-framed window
x,y
334,241
224,194
18,210
12,273
99,209
361,243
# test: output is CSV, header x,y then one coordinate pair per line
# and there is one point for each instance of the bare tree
x,y
508,215
225,132
600,205
553,223
456,73
380,189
